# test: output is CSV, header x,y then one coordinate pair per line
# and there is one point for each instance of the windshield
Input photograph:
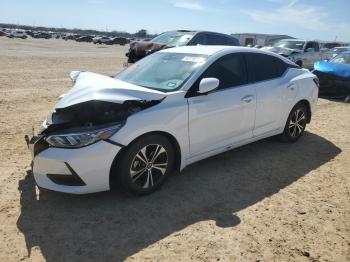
x,y
341,59
290,44
338,50
173,38
162,71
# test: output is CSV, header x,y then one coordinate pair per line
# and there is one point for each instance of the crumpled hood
x,y
95,87
282,51
342,70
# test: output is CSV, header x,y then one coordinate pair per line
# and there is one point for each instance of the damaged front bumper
x,y
76,171
36,144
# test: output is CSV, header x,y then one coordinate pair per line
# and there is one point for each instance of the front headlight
x,y
75,140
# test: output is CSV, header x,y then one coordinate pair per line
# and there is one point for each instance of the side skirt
x,y
230,147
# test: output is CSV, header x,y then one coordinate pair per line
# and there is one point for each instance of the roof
x,y
198,31
201,49
257,34
297,40
212,49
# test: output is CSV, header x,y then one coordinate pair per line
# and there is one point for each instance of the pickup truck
x,y
303,53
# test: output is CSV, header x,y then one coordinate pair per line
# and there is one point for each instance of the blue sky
x,y
309,19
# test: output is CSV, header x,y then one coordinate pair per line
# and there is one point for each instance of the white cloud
x,y
292,13
196,6
302,16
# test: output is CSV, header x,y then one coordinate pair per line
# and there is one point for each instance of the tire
x,y
296,123
140,176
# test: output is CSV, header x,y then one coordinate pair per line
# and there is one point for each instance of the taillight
x,y
317,82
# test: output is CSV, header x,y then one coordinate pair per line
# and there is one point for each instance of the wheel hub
x,y
149,165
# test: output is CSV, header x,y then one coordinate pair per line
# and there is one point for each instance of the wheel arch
x,y
307,104
169,136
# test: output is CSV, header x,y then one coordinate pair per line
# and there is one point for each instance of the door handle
x,y
291,87
247,99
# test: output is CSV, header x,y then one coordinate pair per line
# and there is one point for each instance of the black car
x,y
140,49
118,41
71,37
85,38
42,35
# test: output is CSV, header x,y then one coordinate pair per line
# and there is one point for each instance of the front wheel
x,y
145,164
296,124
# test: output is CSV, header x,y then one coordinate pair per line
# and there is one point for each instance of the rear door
x,y
266,75
225,115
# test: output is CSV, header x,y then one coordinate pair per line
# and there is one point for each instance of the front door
x,y
226,115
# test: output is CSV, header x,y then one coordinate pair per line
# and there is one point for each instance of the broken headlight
x,y
75,140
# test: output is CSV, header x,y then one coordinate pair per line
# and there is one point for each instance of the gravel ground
x,y
267,201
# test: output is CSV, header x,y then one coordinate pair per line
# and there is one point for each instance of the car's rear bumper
x,y
77,171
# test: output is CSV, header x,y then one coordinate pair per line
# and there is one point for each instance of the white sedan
x,y
166,111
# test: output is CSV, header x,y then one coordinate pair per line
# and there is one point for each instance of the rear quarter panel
x,y
307,89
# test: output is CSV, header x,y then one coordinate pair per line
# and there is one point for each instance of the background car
x,y
168,110
2,33
140,49
43,35
119,41
85,38
334,75
304,53
101,40
335,51
17,34
71,36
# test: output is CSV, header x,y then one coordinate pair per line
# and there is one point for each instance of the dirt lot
x,y
267,201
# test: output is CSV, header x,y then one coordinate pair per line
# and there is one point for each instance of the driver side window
x,y
230,70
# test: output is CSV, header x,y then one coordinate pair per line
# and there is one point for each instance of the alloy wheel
x,y
149,165
297,123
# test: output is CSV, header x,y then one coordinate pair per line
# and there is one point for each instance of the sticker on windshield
x,y
193,59
171,84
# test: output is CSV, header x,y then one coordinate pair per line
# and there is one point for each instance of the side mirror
x,y
208,84
74,75
310,50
